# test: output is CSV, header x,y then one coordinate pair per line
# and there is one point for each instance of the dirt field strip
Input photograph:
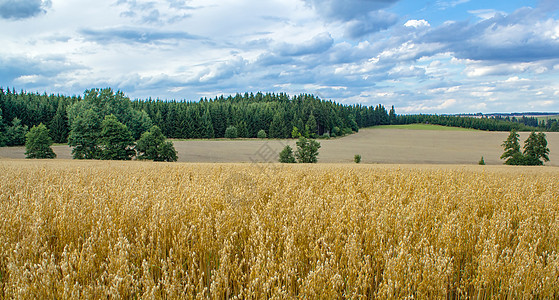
x,y
375,145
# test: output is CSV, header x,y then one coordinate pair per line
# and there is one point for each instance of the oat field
x,y
98,230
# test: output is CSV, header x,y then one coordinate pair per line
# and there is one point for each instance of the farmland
x,y
98,229
423,144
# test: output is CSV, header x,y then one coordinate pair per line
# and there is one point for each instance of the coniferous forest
x,y
275,114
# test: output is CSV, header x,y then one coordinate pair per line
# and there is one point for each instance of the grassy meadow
x,y
420,126
98,229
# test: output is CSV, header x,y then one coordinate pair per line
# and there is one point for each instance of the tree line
x,y
494,123
246,115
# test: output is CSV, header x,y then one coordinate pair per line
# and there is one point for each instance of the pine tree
x,y
38,142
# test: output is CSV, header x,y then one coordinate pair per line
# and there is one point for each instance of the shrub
x,y
336,131
481,162
261,134
295,132
231,132
347,131
357,158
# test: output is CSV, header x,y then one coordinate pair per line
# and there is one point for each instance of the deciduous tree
x,y
115,140
38,142
307,150
84,134
152,146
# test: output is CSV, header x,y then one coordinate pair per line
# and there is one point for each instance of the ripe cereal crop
x,y
92,230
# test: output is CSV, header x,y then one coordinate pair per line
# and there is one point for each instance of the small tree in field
x,y
38,142
307,150
512,154
286,155
535,149
481,162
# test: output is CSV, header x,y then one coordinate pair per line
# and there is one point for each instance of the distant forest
x,y
275,114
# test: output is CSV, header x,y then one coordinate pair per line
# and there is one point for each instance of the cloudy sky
x,y
422,56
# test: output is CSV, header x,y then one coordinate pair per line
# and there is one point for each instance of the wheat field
x,y
92,230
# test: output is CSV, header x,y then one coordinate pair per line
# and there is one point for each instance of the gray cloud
x,y
169,11
22,9
317,44
347,10
12,68
135,35
361,17
373,22
518,37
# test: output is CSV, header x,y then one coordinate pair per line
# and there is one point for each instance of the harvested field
x,y
383,145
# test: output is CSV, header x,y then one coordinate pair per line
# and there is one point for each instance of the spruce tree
x,y
206,126
512,154
535,149
58,126
312,126
286,155
15,134
277,126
